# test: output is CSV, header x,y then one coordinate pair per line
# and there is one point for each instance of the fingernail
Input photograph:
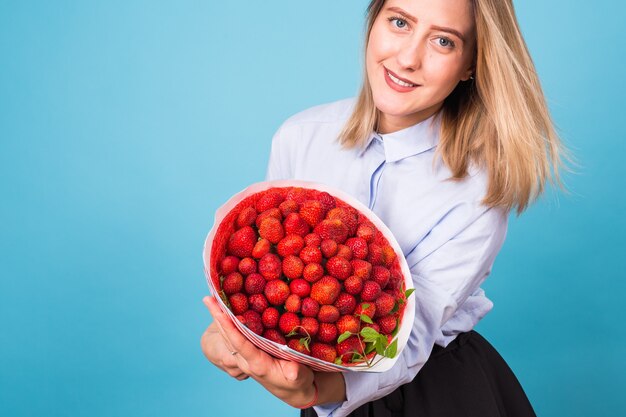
x,y
205,300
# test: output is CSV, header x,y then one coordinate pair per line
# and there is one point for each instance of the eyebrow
x,y
414,20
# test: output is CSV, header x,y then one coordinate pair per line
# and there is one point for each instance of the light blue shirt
x,y
448,237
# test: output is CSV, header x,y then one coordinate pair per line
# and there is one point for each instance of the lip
x,y
396,87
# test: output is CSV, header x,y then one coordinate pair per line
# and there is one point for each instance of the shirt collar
x,y
409,141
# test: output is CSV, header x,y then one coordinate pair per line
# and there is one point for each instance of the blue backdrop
x,y
125,124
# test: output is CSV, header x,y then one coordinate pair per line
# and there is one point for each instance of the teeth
x,y
400,82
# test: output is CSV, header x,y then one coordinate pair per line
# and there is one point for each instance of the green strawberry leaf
x,y
365,306
366,318
369,333
338,361
369,348
292,333
392,349
224,298
407,293
305,342
396,329
380,349
343,336
396,306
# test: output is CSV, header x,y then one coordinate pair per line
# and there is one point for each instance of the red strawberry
x,y
312,212
361,268
258,303
252,320
296,225
242,242
339,267
371,291
310,326
288,322
387,324
290,245
324,352
276,292
358,246
328,314
270,266
275,213
312,240
269,318
247,266
371,325
348,348
347,324
269,200
381,275
345,303
347,215
375,254
297,345
293,267
344,251
275,336
353,285
229,264
233,283
293,303
272,230
369,309
326,290
329,248
310,307
327,200
246,217
238,303
261,248
366,232
389,255
313,272
327,333
384,304
395,281
289,206
332,229
300,287
297,194
311,254
255,284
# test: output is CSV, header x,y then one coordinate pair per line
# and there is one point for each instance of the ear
x,y
467,74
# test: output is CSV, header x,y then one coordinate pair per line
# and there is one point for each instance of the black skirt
x,y
468,378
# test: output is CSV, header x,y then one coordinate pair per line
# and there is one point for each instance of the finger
x,y
242,377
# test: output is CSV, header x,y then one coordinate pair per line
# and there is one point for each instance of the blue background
x,y
125,124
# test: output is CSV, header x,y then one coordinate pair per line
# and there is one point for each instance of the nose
x,y
409,54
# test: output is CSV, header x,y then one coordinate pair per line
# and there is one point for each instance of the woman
x,y
450,131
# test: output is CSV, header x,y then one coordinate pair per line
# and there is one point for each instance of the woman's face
x,y
429,46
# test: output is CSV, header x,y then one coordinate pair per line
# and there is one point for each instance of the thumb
x,y
291,370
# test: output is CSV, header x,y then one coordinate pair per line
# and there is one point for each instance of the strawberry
x,y
345,303
300,287
254,284
339,267
347,324
276,292
389,255
329,248
312,212
238,303
381,275
290,245
371,291
327,333
270,266
293,267
269,200
371,325
324,352
310,326
387,324
272,230
229,264
358,246
353,285
310,307
311,254
289,206
258,303
261,248
369,309
349,347
332,229
293,303
327,200
375,254
246,217
347,215
312,240
297,194
275,336
252,320
384,304
242,242
326,290
313,272
274,212
296,225
367,232
269,318
247,266
297,345
288,322
233,283
344,251
361,268
328,314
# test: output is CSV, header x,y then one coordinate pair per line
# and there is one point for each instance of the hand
x,y
289,381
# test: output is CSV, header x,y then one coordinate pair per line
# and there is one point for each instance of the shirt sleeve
x,y
456,258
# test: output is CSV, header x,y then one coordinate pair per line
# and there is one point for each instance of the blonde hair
x,y
498,121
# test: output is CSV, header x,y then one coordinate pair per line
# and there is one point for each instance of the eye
x,y
400,23
445,42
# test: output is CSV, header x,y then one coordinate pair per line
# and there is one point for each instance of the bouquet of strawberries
x,y
308,273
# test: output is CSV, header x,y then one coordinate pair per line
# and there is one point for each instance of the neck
x,y
389,123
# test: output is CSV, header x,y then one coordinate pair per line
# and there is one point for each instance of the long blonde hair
x,y
498,121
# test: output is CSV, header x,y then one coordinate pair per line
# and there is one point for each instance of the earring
x,y
471,77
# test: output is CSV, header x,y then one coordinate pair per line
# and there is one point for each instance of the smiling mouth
x,y
399,81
